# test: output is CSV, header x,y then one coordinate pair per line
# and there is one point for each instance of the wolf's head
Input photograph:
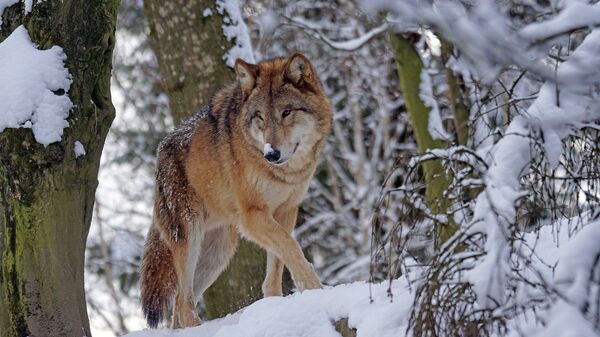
x,y
285,112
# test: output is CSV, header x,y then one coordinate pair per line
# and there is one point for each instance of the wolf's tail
x,y
158,280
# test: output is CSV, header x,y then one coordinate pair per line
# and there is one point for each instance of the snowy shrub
x,y
525,184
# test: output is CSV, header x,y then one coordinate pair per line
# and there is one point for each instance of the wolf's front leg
x,y
286,217
272,284
185,258
261,228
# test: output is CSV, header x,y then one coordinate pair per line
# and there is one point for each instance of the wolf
x,y
241,166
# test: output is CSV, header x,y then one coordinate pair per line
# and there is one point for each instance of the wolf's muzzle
x,y
273,156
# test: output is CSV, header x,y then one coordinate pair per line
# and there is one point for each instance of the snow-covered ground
x,y
373,313
312,313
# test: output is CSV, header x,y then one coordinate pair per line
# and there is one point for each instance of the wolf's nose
x,y
273,155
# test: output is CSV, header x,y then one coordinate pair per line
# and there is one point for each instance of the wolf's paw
x,y
185,319
309,282
191,320
269,289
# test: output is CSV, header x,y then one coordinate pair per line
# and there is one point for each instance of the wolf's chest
x,y
275,192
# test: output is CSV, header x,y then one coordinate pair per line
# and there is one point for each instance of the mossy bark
x,y
47,194
457,100
190,48
409,67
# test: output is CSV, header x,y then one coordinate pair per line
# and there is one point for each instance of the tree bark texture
x,y
47,194
190,48
455,95
409,67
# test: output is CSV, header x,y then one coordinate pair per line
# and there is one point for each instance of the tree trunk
x,y
190,47
457,102
409,66
47,194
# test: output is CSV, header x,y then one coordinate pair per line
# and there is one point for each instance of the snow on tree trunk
x,y
189,42
410,66
47,192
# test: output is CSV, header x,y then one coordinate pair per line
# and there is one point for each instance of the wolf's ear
x,y
300,72
246,73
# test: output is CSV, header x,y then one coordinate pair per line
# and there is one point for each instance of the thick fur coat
x,y
242,165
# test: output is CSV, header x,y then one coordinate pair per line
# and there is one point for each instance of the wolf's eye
x,y
257,115
285,113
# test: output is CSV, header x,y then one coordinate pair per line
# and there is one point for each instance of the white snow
x,y
312,313
358,42
79,149
565,264
578,255
484,34
28,77
235,29
207,12
575,15
558,261
28,5
269,21
267,149
434,125
495,208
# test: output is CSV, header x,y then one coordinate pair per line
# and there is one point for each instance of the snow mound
x,y
29,78
312,313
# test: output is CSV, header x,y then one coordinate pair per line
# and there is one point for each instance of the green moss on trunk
x,y
457,101
409,66
47,194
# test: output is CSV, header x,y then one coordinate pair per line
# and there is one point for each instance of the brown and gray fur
x,y
216,179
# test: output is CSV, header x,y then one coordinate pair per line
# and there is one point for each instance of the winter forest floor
x,y
378,310
312,313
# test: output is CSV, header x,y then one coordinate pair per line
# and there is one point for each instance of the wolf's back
x,y
157,278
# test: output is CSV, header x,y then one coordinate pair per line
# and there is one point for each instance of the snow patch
x,y
29,79
79,149
434,125
312,313
207,12
235,30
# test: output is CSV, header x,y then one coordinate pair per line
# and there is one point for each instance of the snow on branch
x,y
577,15
348,45
33,88
495,210
485,33
578,259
